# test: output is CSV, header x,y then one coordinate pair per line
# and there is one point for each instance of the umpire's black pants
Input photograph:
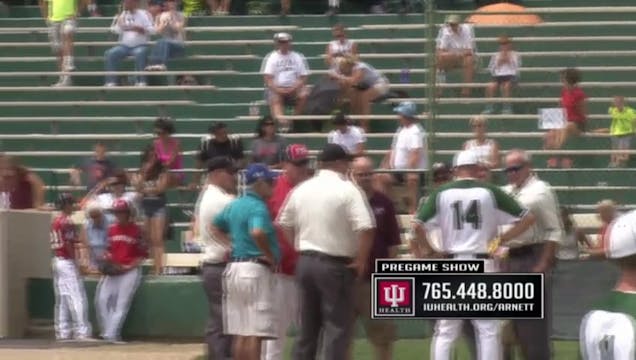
x,y
219,345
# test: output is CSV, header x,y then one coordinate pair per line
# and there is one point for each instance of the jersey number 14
x,y
471,215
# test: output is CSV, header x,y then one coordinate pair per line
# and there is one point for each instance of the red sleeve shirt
x,y
124,243
289,255
64,235
570,101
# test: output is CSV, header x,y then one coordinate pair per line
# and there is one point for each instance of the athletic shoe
x,y
141,84
63,82
506,109
86,339
110,84
489,109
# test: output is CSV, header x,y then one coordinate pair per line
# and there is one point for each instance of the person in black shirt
x,y
219,143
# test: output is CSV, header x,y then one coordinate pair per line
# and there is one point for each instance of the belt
x,y
256,260
322,256
467,256
219,264
523,250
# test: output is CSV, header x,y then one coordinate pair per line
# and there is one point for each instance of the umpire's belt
x,y
256,260
524,250
322,256
466,256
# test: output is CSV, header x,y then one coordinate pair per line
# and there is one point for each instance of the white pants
x,y
607,335
112,301
287,312
70,300
487,336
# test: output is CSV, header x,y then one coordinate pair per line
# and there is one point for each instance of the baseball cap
x,y
120,205
258,171
216,126
64,199
339,119
620,238
220,162
406,108
282,37
297,154
333,152
465,158
453,19
441,171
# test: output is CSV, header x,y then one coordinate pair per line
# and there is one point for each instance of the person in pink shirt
x,y
295,171
168,149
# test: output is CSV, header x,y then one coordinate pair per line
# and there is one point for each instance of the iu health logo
x,y
393,297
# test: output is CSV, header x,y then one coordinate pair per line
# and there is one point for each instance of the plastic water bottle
x,y
405,76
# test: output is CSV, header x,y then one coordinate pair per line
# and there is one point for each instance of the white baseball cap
x,y
282,36
620,238
465,158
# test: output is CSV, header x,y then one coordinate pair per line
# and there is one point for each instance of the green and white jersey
x,y
468,214
609,332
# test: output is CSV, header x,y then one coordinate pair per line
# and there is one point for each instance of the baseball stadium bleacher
x,y
50,128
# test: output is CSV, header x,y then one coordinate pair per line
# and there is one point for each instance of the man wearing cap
x,y
350,137
219,143
408,151
285,73
248,301
456,49
332,225
221,183
534,250
468,214
294,172
609,331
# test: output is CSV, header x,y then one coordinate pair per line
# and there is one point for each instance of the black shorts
x,y
400,178
502,79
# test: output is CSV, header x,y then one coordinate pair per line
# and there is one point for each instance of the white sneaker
x,y
110,84
63,82
141,84
160,67
86,339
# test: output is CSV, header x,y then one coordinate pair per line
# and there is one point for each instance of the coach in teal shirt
x,y
246,220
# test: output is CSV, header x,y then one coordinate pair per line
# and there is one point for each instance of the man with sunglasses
x,y
534,250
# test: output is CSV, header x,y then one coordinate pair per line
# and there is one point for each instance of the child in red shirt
x,y
125,252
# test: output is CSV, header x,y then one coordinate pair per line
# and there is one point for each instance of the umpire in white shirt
x,y
333,227
534,250
214,197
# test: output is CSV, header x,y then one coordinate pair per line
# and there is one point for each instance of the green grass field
x,y
411,349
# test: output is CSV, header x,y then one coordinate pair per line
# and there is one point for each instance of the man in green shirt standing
x,y
60,17
609,332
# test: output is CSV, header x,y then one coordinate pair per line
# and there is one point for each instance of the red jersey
x,y
570,101
289,256
64,235
125,243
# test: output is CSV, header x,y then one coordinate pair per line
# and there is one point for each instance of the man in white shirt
x,y
215,196
134,27
333,227
348,136
408,151
456,49
285,73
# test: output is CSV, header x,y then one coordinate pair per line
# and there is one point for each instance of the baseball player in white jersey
x,y
468,214
609,331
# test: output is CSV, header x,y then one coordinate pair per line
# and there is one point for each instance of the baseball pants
x,y
71,312
219,345
287,313
112,301
447,331
607,335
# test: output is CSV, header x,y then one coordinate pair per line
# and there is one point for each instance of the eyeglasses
x,y
514,169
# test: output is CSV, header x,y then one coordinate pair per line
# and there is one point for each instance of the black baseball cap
x,y
220,162
441,171
333,152
217,126
339,119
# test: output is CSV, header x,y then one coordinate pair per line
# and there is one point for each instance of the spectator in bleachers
x,y
115,187
218,143
606,210
487,150
94,235
504,68
350,137
574,104
621,131
456,49
340,46
267,147
285,72
21,187
168,149
60,17
362,84
96,168
408,151
171,25
572,238
151,183
134,27
219,7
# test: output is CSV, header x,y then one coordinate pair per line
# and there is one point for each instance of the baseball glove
x,y
108,268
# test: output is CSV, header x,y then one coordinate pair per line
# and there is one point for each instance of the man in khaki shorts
x,y
60,17
381,333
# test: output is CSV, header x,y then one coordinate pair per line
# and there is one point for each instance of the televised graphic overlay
x,y
446,289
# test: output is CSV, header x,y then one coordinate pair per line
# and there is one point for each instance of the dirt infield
x,y
45,350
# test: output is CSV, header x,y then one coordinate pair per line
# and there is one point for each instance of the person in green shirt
x,y
621,131
609,331
60,17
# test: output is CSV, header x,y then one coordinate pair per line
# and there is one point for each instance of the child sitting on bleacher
x,y
504,67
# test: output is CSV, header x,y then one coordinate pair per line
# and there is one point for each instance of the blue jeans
x,y
115,55
164,50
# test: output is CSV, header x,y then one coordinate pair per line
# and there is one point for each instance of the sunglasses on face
x,y
363,174
513,169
